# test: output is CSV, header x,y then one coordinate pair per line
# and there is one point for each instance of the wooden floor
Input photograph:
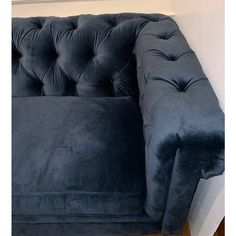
x,y
220,231
186,232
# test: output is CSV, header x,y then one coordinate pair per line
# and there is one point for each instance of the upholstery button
x,y
55,54
91,54
172,58
17,55
74,26
40,82
42,89
164,37
182,85
40,85
155,20
38,25
113,23
151,19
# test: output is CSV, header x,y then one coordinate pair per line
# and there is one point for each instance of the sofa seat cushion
x,y
74,155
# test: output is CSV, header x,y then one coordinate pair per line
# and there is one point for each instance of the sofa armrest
x,y
190,122
183,123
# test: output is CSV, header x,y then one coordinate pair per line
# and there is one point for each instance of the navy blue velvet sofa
x,y
114,123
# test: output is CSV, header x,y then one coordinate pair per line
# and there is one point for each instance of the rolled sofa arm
x,y
183,123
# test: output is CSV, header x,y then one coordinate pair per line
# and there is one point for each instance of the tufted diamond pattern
x,y
84,55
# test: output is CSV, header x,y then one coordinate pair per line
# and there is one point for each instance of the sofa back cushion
x,y
84,55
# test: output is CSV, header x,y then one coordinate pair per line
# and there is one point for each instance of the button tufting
x,y
78,48
155,20
182,85
40,85
54,54
39,25
91,54
112,23
164,37
152,19
17,55
74,26
40,82
42,89
172,58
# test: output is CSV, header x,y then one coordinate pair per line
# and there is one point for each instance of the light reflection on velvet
x,y
76,155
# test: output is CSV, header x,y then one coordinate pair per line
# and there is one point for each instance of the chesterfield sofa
x,y
114,123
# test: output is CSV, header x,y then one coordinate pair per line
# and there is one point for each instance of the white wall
x,y
93,7
202,23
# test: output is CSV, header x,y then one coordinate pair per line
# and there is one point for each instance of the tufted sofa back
x,y
84,55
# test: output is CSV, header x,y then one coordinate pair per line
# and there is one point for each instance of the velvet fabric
x,y
183,123
75,155
86,229
143,57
